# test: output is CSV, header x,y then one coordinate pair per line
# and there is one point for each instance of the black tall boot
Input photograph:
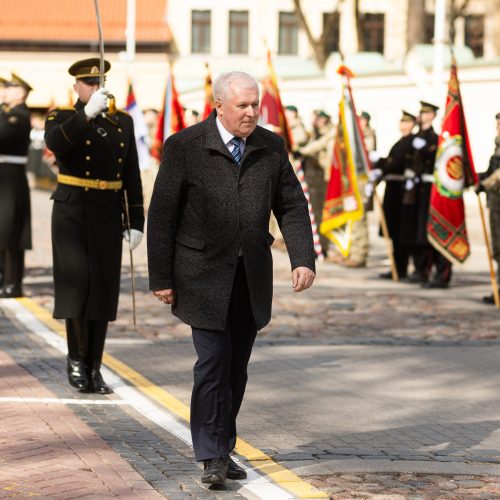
x,y
77,338
13,273
97,338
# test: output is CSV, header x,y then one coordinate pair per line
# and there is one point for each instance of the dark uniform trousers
x,y
220,375
425,257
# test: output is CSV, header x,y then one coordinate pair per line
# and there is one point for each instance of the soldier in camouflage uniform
x,y
490,182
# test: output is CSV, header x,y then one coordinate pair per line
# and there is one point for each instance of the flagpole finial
x,y
345,71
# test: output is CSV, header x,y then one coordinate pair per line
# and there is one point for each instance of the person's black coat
x,y
393,168
205,208
15,212
87,224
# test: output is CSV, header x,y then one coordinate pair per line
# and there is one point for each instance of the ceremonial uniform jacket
x,y
416,210
393,168
87,224
15,219
205,209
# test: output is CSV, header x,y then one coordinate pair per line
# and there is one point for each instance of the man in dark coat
x,y
15,212
391,170
97,159
209,252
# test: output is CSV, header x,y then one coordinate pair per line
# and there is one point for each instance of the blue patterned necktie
x,y
236,152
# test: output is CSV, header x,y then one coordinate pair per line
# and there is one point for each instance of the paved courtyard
x,y
365,388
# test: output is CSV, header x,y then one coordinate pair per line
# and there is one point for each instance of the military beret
x,y
366,115
17,81
88,70
428,107
292,108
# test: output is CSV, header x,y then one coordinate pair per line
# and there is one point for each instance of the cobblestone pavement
x,y
370,389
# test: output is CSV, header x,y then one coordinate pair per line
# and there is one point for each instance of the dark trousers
x,y
401,258
13,268
220,375
86,341
425,257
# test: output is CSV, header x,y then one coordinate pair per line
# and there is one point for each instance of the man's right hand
x,y
166,296
98,102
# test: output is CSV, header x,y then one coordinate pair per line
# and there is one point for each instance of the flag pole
x,y
493,279
385,233
383,222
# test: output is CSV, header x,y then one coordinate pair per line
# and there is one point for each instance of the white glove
x,y
135,238
409,184
368,189
409,173
373,156
374,174
98,102
418,142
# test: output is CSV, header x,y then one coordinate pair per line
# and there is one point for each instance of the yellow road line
x,y
261,462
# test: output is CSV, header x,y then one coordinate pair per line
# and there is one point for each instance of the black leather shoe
x,y
11,292
77,374
215,471
97,384
234,471
435,284
489,299
386,276
416,278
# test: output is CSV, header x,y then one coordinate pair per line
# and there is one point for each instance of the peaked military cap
x,y
408,117
17,81
323,114
3,82
88,70
427,106
292,108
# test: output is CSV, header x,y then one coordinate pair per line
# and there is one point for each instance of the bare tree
x,y
415,23
318,45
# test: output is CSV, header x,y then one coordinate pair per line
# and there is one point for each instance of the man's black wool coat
x,y
205,208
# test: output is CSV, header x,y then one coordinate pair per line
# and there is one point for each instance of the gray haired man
x,y
209,252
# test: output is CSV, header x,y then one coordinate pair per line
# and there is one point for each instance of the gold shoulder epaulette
x,y
54,112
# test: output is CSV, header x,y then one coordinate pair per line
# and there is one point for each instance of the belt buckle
x,y
102,184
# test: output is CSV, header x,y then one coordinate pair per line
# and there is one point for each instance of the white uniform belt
x,y
18,160
427,177
395,177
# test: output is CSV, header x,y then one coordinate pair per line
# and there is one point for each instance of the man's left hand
x,y
302,278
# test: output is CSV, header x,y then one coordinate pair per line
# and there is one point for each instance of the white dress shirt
x,y
227,137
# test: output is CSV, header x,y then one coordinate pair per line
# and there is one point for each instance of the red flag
x,y
209,98
272,111
343,204
453,172
170,119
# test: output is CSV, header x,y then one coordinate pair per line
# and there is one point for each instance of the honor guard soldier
x,y
417,199
97,158
15,218
391,170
